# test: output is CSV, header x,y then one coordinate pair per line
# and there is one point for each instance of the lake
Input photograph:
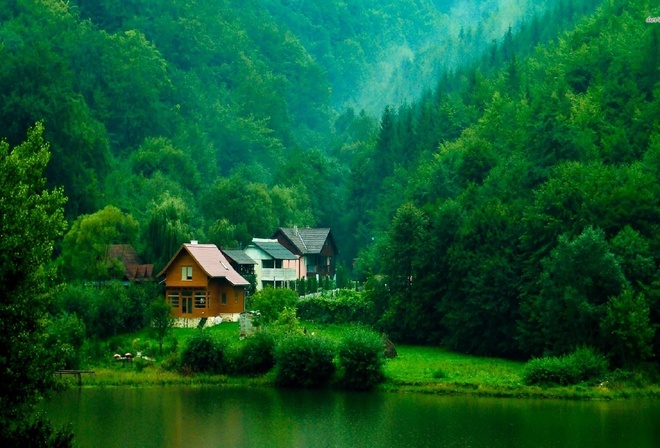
x,y
229,417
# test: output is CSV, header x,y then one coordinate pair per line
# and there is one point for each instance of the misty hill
x,y
532,228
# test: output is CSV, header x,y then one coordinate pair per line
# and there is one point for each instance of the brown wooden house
x,y
200,284
134,269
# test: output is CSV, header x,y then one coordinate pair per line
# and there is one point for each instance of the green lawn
x,y
415,369
424,365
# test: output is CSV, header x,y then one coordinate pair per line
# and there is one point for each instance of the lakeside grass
x,y
416,369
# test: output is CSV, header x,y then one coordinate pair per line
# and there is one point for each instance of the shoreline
x,y
110,378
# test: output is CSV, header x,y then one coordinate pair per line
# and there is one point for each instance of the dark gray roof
x,y
307,240
274,249
238,256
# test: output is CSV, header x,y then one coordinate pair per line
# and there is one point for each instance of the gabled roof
x,y
274,249
307,240
238,256
212,261
134,268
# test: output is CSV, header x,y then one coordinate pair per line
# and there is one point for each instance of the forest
x,y
489,168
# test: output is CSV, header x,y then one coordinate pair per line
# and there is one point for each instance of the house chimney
x,y
295,230
193,241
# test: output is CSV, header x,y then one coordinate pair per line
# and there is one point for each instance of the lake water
x,y
228,417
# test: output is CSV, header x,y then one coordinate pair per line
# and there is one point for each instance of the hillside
x,y
533,230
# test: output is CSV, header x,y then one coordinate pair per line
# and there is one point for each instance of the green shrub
x,y
270,302
287,324
361,359
304,361
170,363
257,355
204,353
584,364
346,306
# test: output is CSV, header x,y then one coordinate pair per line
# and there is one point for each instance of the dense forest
x,y
532,147
489,168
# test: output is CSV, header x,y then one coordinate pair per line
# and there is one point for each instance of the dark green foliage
x,y
626,328
361,359
343,306
257,354
161,321
312,285
110,311
304,361
75,299
107,309
584,364
66,336
204,354
31,218
301,287
38,431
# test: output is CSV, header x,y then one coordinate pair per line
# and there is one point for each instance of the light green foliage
x,y
342,306
31,218
271,302
85,247
287,323
167,228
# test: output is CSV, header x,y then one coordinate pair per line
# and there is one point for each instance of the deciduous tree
x,y
31,218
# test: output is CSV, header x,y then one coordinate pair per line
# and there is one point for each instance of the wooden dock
x,y
78,373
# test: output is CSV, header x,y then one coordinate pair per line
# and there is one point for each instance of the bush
x,y
361,359
346,306
66,336
257,355
203,353
584,364
287,324
304,361
270,302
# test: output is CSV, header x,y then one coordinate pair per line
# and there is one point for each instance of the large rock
x,y
389,350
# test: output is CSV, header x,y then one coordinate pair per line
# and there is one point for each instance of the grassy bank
x,y
430,370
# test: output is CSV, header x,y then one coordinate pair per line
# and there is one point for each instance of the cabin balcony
x,y
278,274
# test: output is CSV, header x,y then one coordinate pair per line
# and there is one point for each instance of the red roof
x,y
134,269
212,262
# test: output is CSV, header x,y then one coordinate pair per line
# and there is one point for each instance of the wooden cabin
x,y
315,248
202,286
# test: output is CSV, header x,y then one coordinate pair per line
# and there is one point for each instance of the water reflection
x,y
222,417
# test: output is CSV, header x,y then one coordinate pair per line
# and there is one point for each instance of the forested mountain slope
x,y
223,119
535,230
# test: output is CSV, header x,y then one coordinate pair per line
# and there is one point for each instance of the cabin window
x,y
224,298
186,302
186,273
200,299
270,264
311,262
174,299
